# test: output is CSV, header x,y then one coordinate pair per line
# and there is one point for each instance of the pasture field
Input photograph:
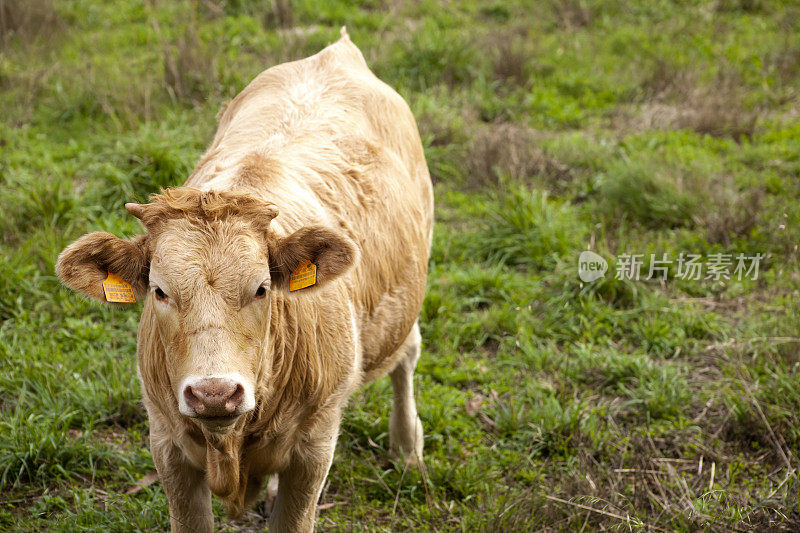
x,y
550,128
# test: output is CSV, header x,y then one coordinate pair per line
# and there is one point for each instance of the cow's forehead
x,y
216,250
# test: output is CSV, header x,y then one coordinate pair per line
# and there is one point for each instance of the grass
x,y
548,404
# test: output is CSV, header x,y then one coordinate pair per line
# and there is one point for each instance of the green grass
x,y
548,403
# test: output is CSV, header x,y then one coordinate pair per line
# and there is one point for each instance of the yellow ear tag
x,y
118,290
305,275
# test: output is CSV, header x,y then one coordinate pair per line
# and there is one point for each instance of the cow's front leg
x,y
186,488
300,485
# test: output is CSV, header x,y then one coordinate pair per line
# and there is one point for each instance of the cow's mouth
x,y
217,423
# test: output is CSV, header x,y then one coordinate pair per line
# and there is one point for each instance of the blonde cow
x,y
287,272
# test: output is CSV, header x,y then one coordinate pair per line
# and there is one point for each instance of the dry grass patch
x,y
279,14
509,149
718,112
676,99
571,14
27,19
784,64
189,66
273,13
746,6
734,213
512,52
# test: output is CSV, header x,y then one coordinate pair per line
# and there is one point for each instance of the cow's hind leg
x,y
272,493
405,428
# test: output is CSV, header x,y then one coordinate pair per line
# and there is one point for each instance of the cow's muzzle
x,y
215,400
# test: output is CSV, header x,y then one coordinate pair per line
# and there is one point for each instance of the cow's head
x,y
207,266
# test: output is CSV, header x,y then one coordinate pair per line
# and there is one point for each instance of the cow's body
x,y
330,145
337,146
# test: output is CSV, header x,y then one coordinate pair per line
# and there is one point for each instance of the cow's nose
x,y
213,397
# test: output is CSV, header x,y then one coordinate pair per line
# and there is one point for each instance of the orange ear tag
x,y
118,290
305,275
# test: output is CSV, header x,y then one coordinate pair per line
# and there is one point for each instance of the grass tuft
x,y
641,193
528,228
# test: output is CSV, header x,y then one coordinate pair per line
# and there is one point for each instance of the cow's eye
x,y
261,292
161,296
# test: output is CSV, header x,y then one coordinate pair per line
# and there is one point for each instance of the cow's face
x,y
208,286
207,268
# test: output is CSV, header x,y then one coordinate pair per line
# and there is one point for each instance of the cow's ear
x,y
329,251
86,263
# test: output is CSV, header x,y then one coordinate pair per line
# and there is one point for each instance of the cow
x,y
287,271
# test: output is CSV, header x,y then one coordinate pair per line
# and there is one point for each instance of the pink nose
x,y
213,397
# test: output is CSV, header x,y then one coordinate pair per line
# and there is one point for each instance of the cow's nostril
x,y
235,399
193,401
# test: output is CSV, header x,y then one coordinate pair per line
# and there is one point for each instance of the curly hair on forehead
x,y
205,206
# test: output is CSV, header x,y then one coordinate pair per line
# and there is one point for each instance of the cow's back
x,y
329,143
